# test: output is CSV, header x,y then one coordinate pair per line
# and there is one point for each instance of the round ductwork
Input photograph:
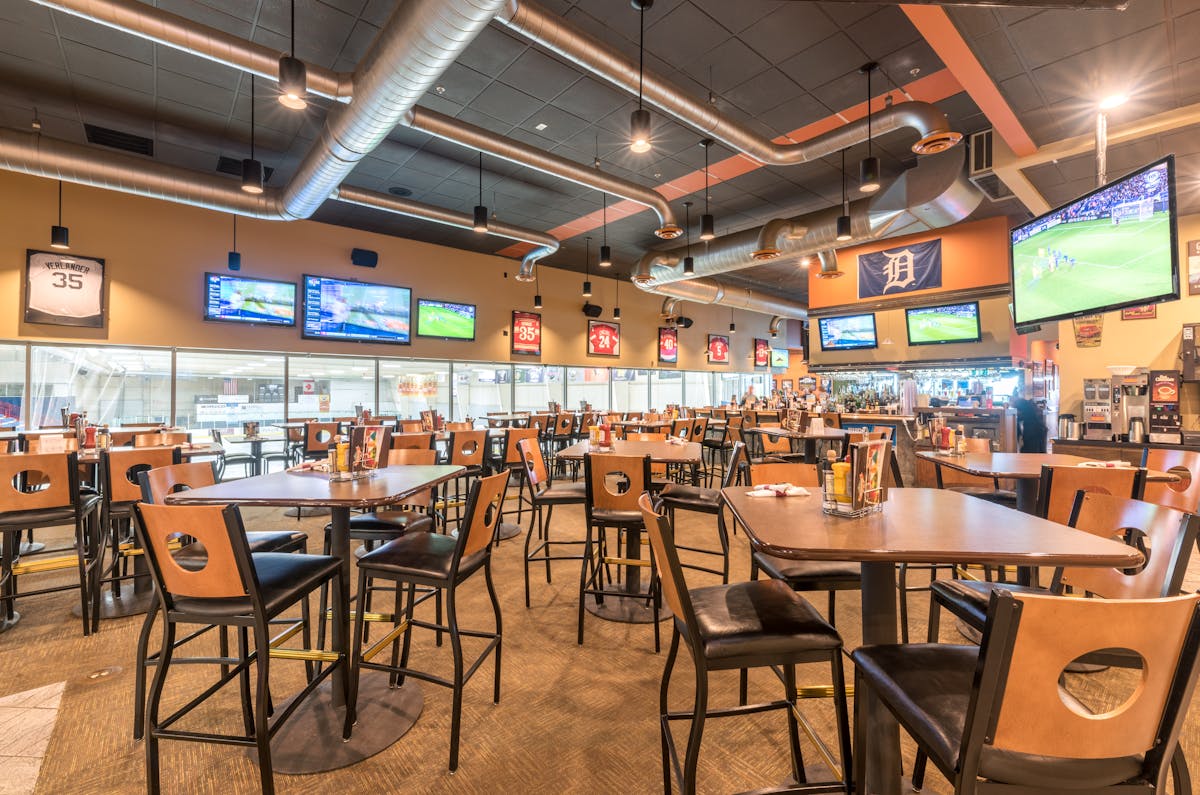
x,y
936,142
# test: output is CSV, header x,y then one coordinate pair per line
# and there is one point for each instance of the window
x,y
12,385
406,388
329,386
113,385
587,385
223,389
697,389
536,387
666,388
481,388
631,390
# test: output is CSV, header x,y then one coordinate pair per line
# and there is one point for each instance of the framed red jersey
x,y
718,349
604,338
762,353
668,345
527,333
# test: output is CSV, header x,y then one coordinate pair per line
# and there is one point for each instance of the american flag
x,y
229,386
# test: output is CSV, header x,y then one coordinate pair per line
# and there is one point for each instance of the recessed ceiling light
x,y
440,89
1113,101
397,190
540,126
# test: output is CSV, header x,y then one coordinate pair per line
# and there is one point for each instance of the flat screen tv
x,y
780,357
847,333
345,310
445,320
1112,248
241,299
937,325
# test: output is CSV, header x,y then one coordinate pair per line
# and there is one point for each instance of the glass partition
x,y
224,389
631,390
113,385
666,387
480,388
588,384
536,386
12,386
698,389
407,387
329,386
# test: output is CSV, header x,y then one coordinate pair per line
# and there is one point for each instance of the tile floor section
x,y
26,723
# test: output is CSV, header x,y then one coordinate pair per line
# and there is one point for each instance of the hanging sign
x,y
917,266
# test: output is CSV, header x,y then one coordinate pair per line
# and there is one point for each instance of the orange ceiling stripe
x,y
935,26
932,88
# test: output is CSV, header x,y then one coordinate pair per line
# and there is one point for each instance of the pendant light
x,y
587,256
235,258
732,325
843,221
293,76
706,221
605,250
639,122
252,169
689,264
617,300
868,168
60,236
537,285
481,212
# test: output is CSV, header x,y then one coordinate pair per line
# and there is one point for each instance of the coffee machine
x,y
1166,422
1131,405
1097,409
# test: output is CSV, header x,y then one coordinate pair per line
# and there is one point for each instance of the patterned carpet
x,y
571,719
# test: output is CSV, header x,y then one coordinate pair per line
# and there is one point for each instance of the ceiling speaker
x,y
364,258
684,322
592,310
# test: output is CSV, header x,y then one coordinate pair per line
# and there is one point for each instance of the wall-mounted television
x,y
847,332
1112,248
780,357
241,299
937,325
345,310
445,320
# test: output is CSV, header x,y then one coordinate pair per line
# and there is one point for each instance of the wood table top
x,y
831,434
659,452
16,432
314,489
920,526
90,455
1017,465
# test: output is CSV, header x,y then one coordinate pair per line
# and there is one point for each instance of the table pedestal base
x,y
31,547
626,610
130,603
8,623
311,739
507,530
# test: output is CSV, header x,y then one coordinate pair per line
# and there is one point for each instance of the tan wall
x,y
1145,343
157,252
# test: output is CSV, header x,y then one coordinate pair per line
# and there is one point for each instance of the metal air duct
x,y
556,34
706,291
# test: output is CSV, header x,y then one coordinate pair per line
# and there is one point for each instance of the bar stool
x,y
441,563
318,438
545,494
510,460
226,459
685,497
235,588
738,627
467,449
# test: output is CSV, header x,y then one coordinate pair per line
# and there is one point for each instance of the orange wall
x,y
973,255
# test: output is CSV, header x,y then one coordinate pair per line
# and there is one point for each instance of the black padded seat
x,y
968,599
371,527
757,623
283,578
194,556
47,517
811,575
419,557
614,518
563,493
928,687
691,498
1001,496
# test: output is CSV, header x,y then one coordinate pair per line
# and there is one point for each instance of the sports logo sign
x,y
917,266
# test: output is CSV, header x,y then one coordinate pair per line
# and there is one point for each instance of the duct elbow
x,y
525,272
668,231
931,125
771,236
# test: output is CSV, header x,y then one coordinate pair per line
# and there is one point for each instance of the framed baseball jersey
x,y
64,290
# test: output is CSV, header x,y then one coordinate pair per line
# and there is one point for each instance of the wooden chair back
x,y
630,474
535,466
460,426
221,577
832,419
318,438
795,473
666,560
413,457
643,436
162,439
1183,494
484,505
699,429
543,422
512,438
467,448
412,441
1033,637
564,424
410,426
1056,493
119,470
682,429
773,443
651,416
52,474
157,483
36,444
121,438
734,470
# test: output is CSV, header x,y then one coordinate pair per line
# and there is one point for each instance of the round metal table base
x,y
31,547
507,530
311,739
130,604
8,623
626,610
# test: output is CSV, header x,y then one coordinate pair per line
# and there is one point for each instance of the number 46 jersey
x,y
65,286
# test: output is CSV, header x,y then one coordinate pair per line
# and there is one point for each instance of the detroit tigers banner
x,y
917,266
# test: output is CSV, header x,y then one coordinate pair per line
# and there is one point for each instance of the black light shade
x,y
60,237
774,334
843,228
537,301
868,175
481,218
616,313
235,261
733,328
587,288
605,256
639,131
252,175
293,83
707,227
689,265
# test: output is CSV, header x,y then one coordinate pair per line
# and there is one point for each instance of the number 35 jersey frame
x,y
64,290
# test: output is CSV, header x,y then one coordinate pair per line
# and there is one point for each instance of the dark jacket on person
x,y
1031,426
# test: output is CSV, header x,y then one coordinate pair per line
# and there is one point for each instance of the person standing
x,y
1031,424
749,399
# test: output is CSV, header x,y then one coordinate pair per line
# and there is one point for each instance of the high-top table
x,y
311,741
809,438
915,526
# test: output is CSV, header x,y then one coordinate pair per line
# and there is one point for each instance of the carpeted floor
x,y
571,719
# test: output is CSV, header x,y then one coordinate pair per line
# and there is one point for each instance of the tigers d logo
x,y
898,269
917,266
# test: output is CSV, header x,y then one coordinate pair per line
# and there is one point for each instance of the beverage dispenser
x,y
1131,403
1166,421
1097,409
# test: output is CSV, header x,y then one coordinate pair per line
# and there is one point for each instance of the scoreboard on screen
x,y
64,290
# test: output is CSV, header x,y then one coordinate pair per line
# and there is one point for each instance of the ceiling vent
x,y
981,173
115,139
227,165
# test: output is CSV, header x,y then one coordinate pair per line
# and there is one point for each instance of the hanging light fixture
x,y
689,264
537,285
639,122
617,300
868,168
706,221
293,76
843,221
605,250
235,258
481,212
252,169
732,325
587,257
60,236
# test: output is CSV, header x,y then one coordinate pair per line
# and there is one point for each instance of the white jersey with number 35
x,y
64,286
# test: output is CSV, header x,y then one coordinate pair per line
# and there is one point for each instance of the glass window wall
x,y
113,385
666,388
631,390
536,386
407,387
12,386
587,385
329,386
224,389
480,388
698,389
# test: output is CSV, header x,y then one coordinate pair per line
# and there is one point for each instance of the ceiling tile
x,y
506,103
1049,36
823,62
787,30
736,17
